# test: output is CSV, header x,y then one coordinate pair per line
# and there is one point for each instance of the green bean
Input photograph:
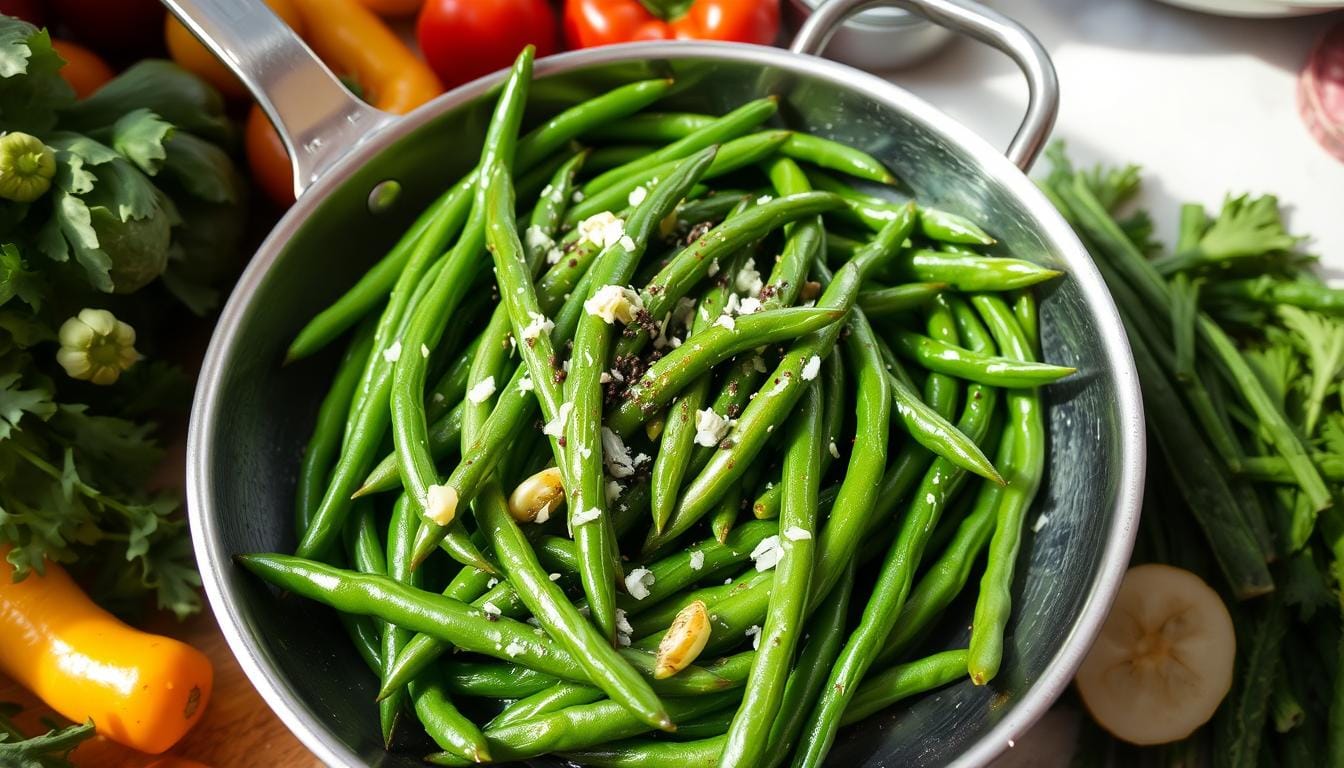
x,y
585,450
578,728
732,155
803,238
947,576
608,157
400,532
750,728
448,391
373,287
445,725
731,126
769,407
903,681
814,662
826,153
725,515
972,273
941,437
444,434
537,144
646,753
492,680
547,602
714,345
682,569
364,550
941,390
325,444
837,157
653,127
649,626
994,604
882,302
415,610
940,484
1028,314
950,228
419,475
549,212
693,262
680,427
557,697
983,369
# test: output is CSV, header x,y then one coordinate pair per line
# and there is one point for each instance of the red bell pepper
x,y
602,22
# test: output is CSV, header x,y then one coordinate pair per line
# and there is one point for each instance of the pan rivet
x,y
383,195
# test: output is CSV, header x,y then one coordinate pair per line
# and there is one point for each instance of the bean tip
x,y
665,723
362,490
888,178
480,754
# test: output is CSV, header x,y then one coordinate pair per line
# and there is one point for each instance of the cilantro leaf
x,y
17,281
31,88
50,750
15,402
1245,227
1277,368
24,329
139,136
172,93
1321,340
1112,186
71,228
202,169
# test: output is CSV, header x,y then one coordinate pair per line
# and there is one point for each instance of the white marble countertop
x,y
1207,105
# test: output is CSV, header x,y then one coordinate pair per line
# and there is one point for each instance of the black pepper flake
x,y
698,231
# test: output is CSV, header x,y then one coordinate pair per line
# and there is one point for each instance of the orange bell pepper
x,y
144,691
354,42
602,22
392,7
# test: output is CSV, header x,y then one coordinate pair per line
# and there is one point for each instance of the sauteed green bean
x,y
677,328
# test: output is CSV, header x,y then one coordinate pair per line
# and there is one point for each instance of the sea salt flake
x,y
585,516
393,353
835,452
811,368
748,279
637,195
613,491
525,384
1040,523
697,560
754,632
490,609
603,229
794,533
536,238
726,321
749,306
514,648
767,553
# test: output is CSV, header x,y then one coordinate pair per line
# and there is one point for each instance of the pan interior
x,y
257,415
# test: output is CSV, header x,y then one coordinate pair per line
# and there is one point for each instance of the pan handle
x,y
318,119
975,20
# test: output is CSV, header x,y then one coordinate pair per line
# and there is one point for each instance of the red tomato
x,y
30,11
115,28
464,39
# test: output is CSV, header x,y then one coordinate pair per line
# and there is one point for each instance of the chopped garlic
x,y
748,279
490,609
710,427
637,583
482,391
623,629
613,491
537,238
754,632
726,321
835,452
612,303
794,533
393,353
748,306
697,560
441,503
556,427
627,243
539,324
603,229
637,195
514,648
525,384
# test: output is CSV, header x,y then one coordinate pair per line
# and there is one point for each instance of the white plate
x,y
1263,9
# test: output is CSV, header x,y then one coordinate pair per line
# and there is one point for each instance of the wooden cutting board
x,y
237,731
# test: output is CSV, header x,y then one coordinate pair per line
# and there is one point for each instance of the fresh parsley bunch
x,y
110,207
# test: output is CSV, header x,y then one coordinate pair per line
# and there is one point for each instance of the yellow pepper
x,y
354,42
141,690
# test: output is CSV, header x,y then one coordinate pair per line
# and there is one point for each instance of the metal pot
x,y
251,416
878,39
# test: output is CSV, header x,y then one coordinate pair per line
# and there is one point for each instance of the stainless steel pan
x,y
363,175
